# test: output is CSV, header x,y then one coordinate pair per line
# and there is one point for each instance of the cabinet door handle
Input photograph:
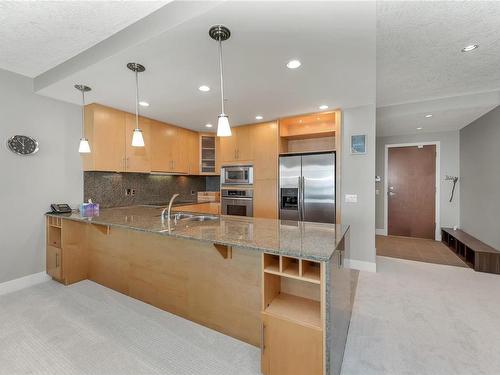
x,y
263,337
57,260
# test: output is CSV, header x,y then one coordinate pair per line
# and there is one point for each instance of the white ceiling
x,y
421,69
448,114
37,35
334,40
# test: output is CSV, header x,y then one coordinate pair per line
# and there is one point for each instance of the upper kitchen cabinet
x,y
310,133
238,148
137,159
265,150
174,149
109,132
209,154
105,129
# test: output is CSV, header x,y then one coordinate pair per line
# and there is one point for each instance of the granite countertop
x,y
313,241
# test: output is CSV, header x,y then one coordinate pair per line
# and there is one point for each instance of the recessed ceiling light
x,y
419,128
428,116
324,106
204,88
208,125
470,47
259,117
144,104
293,64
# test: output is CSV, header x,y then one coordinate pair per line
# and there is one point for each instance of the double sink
x,y
181,216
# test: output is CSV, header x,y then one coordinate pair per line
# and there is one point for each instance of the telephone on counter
x,y
60,208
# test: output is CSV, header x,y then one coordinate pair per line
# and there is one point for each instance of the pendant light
x,y
221,33
137,138
84,147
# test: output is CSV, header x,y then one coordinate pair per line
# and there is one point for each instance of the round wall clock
x,y
22,145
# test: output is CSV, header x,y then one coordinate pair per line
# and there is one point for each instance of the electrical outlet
x,y
132,192
351,198
193,192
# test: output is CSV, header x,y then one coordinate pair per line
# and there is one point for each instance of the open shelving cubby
x,y
54,225
292,289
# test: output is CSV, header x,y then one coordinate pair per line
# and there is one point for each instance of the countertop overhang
x,y
306,240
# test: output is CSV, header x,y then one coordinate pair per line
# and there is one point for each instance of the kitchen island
x,y
279,285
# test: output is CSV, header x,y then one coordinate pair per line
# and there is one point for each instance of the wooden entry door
x,y
411,191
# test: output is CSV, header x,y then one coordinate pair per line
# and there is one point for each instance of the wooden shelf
x,y
290,266
54,236
293,268
311,271
300,310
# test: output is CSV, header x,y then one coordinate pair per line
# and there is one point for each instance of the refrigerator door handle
x,y
300,197
303,197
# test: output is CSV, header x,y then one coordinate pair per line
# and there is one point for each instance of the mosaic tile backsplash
x,y
108,188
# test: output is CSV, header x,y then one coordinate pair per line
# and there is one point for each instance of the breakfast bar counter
x,y
279,285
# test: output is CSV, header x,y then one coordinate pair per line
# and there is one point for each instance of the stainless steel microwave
x,y
236,175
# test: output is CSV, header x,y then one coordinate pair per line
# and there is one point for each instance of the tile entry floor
x,y
419,249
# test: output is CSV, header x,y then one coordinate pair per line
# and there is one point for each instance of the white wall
x,y
480,178
449,165
29,184
358,177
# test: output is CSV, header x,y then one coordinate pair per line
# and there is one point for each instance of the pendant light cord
x,y
83,113
221,76
136,98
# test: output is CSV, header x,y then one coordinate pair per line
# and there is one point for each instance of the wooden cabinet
x,y
109,132
66,256
54,262
137,159
290,349
238,147
292,318
174,149
105,129
209,154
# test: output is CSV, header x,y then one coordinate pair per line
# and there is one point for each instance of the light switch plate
x,y
351,198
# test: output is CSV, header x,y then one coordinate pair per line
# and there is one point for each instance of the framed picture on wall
x,y
358,144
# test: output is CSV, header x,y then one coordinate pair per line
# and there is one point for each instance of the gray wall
x,y
480,178
29,184
358,177
449,165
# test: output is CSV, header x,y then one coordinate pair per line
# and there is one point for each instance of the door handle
x,y
57,260
263,337
391,193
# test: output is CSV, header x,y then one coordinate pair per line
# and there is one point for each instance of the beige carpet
x,y
88,329
413,318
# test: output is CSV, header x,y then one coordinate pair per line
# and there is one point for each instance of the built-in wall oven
x,y
237,201
236,175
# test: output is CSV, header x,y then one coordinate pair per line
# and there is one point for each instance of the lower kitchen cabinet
x,y
290,348
54,262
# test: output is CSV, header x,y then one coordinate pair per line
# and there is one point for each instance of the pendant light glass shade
x,y
223,128
137,138
220,33
84,146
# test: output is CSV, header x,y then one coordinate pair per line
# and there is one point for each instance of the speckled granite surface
x,y
314,241
108,188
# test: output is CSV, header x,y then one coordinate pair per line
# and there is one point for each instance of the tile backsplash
x,y
108,188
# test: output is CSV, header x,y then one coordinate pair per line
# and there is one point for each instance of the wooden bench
x,y
478,255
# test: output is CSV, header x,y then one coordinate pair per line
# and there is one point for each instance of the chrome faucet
x,y
168,209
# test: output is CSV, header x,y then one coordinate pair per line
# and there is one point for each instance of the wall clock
x,y
22,145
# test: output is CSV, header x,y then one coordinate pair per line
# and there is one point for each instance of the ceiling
x,y
37,35
421,69
334,40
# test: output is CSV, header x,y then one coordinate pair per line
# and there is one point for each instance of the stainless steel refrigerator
x,y
307,187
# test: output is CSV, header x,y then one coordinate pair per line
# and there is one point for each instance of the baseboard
x,y
380,232
23,282
361,265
